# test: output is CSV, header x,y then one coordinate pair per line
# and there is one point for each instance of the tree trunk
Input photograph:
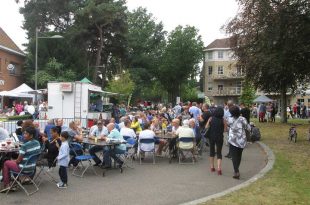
x,y
283,105
98,56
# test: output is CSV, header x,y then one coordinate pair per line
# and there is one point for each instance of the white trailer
x,y
72,100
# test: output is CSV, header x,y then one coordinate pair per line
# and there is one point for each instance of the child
x,y
63,160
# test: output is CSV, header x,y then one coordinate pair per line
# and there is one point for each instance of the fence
x,y
11,125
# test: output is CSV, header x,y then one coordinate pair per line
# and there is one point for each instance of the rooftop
x,y
6,43
219,43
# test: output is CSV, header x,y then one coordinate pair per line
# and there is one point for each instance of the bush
x,y
20,117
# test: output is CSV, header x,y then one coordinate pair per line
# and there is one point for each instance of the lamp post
x,y
36,60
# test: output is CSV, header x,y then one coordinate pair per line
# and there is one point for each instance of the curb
x,y
267,168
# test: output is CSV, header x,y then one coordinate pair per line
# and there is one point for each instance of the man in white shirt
x,y
127,131
100,133
186,131
146,134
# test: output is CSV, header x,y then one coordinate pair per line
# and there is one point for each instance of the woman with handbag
x,y
216,126
237,137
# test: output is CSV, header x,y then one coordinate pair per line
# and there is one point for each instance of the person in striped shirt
x,y
29,148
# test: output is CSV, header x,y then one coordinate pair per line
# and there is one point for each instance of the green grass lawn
x,y
289,181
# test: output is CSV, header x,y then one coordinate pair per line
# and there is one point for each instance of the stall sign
x,y
2,82
66,87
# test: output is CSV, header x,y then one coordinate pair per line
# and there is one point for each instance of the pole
x,y
36,69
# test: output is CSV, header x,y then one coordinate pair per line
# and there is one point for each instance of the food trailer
x,y
77,100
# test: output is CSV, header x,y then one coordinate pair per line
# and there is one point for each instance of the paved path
x,y
159,184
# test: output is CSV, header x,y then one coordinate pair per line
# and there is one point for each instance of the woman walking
x,y
237,137
217,126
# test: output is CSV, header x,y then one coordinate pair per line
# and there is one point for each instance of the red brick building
x,y
13,57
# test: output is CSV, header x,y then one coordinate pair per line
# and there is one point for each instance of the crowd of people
x,y
24,108
197,121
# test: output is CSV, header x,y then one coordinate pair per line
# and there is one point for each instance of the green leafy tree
x,y
183,52
122,84
146,43
271,40
102,25
248,94
54,71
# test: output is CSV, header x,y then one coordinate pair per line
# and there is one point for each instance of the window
x,y
210,55
220,70
220,88
210,70
210,86
220,54
15,70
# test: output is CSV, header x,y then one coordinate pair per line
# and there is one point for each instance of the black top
x,y
216,129
205,116
245,112
52,149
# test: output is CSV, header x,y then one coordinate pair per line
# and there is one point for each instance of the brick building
x,y
13,57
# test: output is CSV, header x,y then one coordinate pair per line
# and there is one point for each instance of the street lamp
x,y
36,60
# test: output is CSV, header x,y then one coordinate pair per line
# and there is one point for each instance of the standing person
x,y
227,115
63,160
298,109
216,132
195,111
245,112
262,112
237,137
203,119
273,112
52,145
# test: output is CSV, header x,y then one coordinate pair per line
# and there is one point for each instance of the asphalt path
x,y
159,184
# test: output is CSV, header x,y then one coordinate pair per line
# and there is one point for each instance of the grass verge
x,y
289,181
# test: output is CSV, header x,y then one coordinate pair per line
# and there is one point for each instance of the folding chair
x,y
146,141
81,158
130,152
44,170
189,150
25,175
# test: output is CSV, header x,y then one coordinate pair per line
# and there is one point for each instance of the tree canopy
x,y
183,52
270,39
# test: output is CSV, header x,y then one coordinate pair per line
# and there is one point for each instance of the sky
x,y
206,15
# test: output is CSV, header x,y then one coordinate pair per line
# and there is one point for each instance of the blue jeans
x,y
112,152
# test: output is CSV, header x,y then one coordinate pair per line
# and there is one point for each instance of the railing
x,y
226,91
232,75
10,126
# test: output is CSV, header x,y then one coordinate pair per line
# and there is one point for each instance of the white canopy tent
x,y
262,99
21,91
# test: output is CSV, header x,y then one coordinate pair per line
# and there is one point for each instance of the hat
x,y
252,123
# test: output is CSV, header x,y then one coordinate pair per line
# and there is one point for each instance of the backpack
x,y
255,134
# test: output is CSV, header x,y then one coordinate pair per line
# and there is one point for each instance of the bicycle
x,y
293,134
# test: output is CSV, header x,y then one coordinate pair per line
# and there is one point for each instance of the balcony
x,y
226,91
228,76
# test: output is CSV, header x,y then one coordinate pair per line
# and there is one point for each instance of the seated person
x,y
186,131
161,142
29,148
18,130
74,136
52,147
3,132
100,132
172,145
118,149
47,129
147,133
135,124
127,131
